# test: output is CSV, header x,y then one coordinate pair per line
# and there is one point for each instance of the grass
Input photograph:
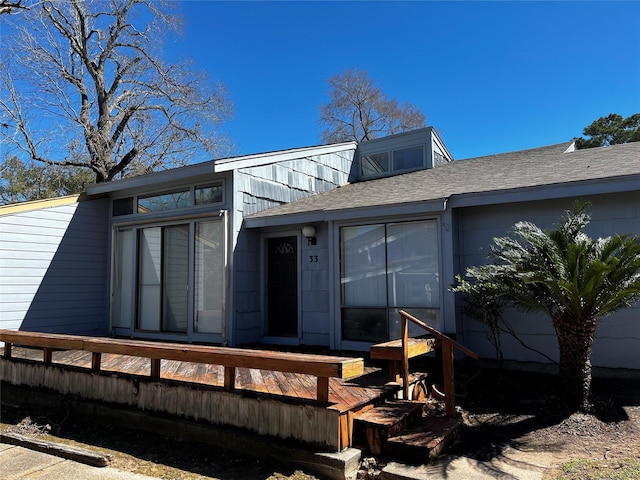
x,y
584,469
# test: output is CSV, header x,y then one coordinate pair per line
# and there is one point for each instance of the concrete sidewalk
x,y
19,463
512,464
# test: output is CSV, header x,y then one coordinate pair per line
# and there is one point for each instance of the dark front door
x,y
282,287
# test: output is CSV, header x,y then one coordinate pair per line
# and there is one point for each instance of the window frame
x,y
192,205
132,300
390,310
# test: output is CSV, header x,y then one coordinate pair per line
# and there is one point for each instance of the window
x,y
210,194
170,278
163,278
404,159
167,201
164,201
209,276
408,158
122,206
386,268
374,164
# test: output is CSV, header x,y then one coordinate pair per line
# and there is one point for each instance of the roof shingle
x,y
536,167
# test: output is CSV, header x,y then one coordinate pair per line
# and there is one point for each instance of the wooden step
x,y
377,424
393,350
423,440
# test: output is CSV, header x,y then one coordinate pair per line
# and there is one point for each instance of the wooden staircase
x,y
400,427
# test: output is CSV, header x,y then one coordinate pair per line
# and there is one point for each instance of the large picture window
x,y
386,268
170,278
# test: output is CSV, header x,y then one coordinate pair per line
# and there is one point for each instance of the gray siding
x,y
276,184
53,269
617,343
261,187
316,305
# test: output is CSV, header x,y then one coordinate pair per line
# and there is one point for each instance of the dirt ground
x,y
524,411
512,409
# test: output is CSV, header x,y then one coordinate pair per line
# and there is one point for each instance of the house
x,y
313,246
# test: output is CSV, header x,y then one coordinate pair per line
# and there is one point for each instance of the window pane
x,y
175,278
408,158
374,164
430,316
364,324
123,277
412,265
209,276
166,201
163,277
122,206
405,255
149,290
212,194
363,275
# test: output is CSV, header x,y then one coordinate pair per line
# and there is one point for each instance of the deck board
x,y
344,395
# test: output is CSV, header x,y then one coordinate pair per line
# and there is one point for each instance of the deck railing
x,y
447,344
321,366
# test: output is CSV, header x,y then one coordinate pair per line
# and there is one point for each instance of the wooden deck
x,y
268,402
344,394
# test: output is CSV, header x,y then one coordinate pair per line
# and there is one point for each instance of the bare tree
x,y
84,84
358,110
13,6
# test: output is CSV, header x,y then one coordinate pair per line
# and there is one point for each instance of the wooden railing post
x,y
322,390
229,377
449,381
155,367
96,357
7,350
404,325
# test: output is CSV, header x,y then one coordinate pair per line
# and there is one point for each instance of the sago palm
x,y
564,273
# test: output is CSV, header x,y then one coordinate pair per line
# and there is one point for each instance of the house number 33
x,y
313,258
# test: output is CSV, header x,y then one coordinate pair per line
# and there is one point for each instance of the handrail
x,y
322,367
448,344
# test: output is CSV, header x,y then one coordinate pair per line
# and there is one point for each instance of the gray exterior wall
x,y
53,269
261,187
617,343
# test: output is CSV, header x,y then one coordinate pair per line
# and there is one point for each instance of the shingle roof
x,y
536,167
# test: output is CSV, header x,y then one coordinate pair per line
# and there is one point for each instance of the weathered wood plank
x,y
322,389
155,368
95,361
38,339
229,378
60,450
47,355
320,366
392,350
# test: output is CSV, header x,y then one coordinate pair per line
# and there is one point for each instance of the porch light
x,y
309,231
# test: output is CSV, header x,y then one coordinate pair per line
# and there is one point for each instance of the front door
x,y
282,286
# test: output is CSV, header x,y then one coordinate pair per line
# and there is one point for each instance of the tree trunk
x,y
575,341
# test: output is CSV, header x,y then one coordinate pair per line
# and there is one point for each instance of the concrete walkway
x,y
19,463
512,464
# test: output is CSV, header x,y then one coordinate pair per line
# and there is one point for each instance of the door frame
x,y
275,340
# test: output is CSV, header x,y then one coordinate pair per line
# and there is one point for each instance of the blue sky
x,y
489,76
